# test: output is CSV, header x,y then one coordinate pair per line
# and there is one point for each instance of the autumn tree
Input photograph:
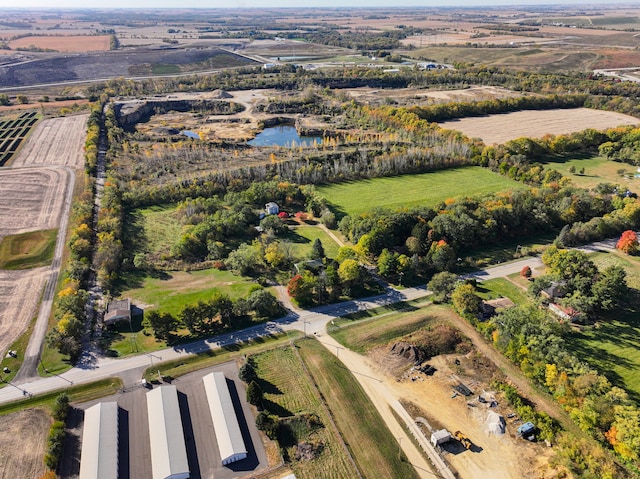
x,y
628,242
465,299
525,272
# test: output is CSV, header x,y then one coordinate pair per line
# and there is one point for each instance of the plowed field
x,y
496,129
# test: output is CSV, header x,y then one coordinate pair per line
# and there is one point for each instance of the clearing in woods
x,y
497,129
407,191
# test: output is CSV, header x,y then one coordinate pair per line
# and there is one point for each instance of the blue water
x,y
190,134
283,135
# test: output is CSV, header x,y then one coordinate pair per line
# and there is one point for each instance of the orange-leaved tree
x,y
628,242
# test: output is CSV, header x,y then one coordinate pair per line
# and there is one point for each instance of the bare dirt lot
x,y
23,438
72,43
496,129
56,141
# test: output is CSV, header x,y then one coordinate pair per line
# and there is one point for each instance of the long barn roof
x,y
168,450
99,459
225,422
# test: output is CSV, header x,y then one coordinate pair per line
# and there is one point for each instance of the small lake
x,y
283,135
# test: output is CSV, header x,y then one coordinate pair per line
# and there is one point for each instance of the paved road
x,y
312,321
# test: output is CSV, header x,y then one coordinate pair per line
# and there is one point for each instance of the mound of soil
x,y
407,351
222,94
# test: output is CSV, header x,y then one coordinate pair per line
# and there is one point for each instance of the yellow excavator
x,y
464,440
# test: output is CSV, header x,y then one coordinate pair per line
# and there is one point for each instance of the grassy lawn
x,y
372,445
596,170
406,191
486,255
172,291
613,346
27,250
362,335
501,287
161,229
302,237
288,392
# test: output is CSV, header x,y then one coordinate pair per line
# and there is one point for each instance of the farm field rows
x,y
69,43
407,191
497,129
288,392
56,141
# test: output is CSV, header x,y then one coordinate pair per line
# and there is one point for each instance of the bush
x,y
268,423
247,372
61,407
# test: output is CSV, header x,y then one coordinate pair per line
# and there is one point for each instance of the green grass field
x,y
406,191
161,229
501,287
596,170
28,250
302,237
289,391
171,292
372,445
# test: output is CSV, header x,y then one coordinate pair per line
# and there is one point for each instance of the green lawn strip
x,y
403,306
372,445
383,329
501,287
161,229
27,250
302,237
406,191
188,364
289,392
78,393
597,169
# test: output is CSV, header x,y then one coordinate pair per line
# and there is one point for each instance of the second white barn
x,y
225,422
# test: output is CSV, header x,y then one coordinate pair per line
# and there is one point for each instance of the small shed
x,y
527,430
272,208
440,437
118,311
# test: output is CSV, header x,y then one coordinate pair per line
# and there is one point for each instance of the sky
x,y
287,3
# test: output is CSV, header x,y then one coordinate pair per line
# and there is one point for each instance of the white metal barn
x,y
99,458
225,422
168,450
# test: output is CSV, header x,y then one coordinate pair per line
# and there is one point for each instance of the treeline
x,y
358,39
217,315
447,111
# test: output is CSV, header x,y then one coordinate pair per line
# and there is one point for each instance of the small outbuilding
x,y
527,431
99,458
440,437
118,311
271,208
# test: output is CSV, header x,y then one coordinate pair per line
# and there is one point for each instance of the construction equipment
x,y
464,440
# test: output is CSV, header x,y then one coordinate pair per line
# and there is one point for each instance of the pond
x,y
283,135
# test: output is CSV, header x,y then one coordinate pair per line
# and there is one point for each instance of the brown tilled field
x,y
23,440
74,43
496,129
57,141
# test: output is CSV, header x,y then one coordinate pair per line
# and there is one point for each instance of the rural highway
x,y
313,321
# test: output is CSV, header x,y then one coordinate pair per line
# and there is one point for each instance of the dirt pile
x,y
407,351
306,451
